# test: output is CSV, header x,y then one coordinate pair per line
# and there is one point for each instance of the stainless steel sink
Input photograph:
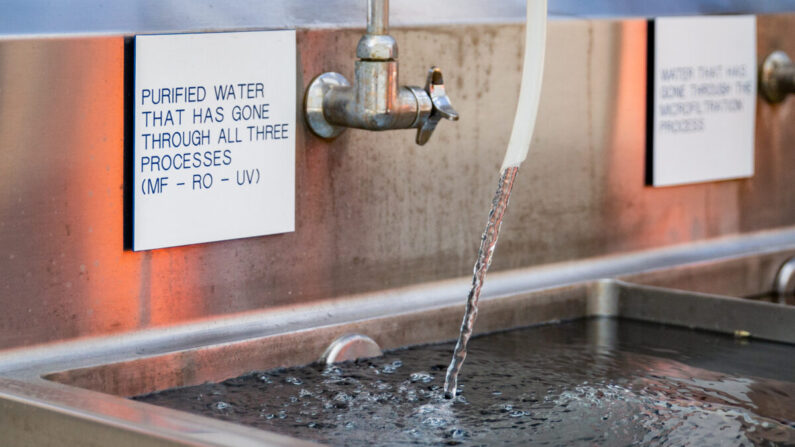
x,y
74,392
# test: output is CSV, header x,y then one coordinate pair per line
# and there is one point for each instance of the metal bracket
x,y
785,280
351,347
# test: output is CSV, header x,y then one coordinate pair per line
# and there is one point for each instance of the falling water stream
x,y
488,243
515,154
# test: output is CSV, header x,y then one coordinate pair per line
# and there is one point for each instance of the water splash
x,y
487,244
561,385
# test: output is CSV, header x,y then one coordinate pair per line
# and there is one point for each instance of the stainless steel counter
x,y
73,392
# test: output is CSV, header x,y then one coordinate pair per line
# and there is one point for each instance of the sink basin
x,y
76,392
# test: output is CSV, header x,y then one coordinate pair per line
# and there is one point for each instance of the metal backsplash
x,y
373,211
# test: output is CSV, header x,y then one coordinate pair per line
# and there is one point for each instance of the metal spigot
x,y
777,77
375,101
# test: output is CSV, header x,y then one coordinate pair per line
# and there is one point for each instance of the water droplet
x,y
457,433
421,377
434,421
332,370
342,397
305,393
221,406
293,380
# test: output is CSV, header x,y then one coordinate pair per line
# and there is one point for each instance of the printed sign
x,y
214,137
702,99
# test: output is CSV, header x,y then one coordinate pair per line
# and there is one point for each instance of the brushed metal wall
x,y
373,211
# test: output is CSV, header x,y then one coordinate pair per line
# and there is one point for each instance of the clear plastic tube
x,y
530,91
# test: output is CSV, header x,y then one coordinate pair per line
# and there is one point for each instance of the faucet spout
x,y
375,101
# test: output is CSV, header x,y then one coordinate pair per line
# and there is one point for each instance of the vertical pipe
x,y
377,16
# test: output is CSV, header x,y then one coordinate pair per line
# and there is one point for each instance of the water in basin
x,y
588,382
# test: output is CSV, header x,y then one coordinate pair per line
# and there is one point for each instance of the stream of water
x,y
488,243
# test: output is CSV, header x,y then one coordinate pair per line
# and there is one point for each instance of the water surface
x,y
589,382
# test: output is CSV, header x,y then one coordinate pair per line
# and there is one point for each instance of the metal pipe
x,y
377,16
375,100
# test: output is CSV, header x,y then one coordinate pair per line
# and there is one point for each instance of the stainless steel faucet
x,y
777,77
376,101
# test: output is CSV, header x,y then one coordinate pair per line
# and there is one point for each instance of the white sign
x,y
214,148
704,99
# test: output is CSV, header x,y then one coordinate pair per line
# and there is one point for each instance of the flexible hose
x,y
530,91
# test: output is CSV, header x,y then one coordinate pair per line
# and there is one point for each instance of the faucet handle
x,y
434,87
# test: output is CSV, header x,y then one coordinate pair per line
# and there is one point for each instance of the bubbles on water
x,y
383,386
549,385
293,380
421,377
221,406
457,433
343,397
434,421
392,367
332,371
305,393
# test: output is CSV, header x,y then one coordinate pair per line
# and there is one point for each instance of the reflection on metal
x,y
40,413
714,267
756,319
785,281
777,77
350,347
75,390
376,101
